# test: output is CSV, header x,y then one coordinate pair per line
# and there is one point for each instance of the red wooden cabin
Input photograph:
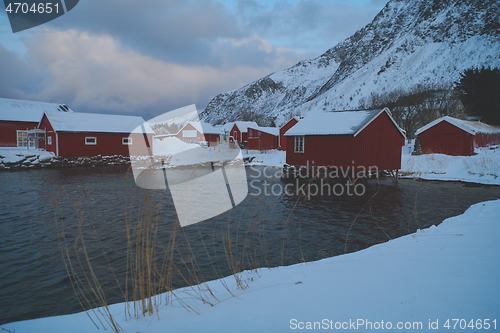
x,y
194,132
346,139
289,124
18,116
239,130
456,137
262,138
90,134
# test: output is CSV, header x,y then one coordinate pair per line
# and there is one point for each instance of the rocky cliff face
x,y
409,43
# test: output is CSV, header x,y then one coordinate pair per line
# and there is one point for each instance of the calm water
x,y
41,212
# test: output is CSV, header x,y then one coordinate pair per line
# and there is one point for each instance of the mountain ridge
x,y
408,43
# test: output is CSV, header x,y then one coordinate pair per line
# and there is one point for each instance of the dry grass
x,y
156,266
153,266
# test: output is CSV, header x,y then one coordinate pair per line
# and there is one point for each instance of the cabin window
x,y
299,144
22,139
127,141
49,140
189,134
89,140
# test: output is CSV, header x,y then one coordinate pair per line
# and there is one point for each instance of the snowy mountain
x,y
409,43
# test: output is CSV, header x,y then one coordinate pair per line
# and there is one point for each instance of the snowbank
x,y
440,273
22,157
275,158
483,168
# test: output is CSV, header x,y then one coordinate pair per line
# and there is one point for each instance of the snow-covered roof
x,y
269,130
337,122
93,122
204,127
227,126
243,125
20,110
471,127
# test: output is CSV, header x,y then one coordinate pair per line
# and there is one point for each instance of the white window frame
x,y
90,143
49,140
298,144
126,141
25,142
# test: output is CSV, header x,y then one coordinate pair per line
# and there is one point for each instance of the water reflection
x,y
263,230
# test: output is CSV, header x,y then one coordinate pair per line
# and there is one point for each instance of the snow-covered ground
x,y
10,155
275,158
483,168
444,275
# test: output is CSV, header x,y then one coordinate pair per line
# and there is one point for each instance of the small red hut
x,y
452,136
194,132
239,130
346,139
262,138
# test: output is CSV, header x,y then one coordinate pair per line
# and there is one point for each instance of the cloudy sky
x,y
149,57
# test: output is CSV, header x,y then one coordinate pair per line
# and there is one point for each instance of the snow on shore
x,y
483,168
15,155
22,157
440,273
273,158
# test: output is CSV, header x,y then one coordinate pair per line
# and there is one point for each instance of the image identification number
x,y
478,324
25,8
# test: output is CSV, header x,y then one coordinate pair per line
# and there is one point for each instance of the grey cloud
x,y
307,24
149,57
180,31
93,73
18,77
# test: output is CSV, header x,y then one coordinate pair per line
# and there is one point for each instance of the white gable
x,y
93,122
30,111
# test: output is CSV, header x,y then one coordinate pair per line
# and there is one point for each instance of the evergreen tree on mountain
x,y
479,91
